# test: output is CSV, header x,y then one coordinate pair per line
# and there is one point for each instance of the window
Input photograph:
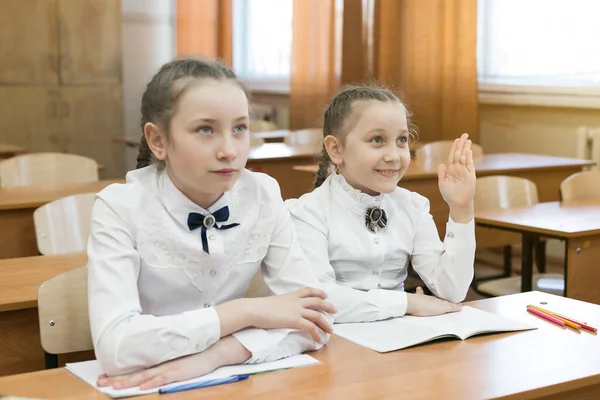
x,y
262,43
539,43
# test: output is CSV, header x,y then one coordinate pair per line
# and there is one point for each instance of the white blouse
x,y
364,272
152,288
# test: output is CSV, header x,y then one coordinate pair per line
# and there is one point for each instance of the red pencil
x,y
581,324
546,316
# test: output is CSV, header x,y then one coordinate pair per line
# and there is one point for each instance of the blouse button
x,y
376,240
212,237
212,272
206,305
375,272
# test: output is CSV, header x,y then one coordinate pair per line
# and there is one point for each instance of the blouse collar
x,y
179,205
352,198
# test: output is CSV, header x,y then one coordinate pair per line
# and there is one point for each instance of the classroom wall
x,y
148,42
539,130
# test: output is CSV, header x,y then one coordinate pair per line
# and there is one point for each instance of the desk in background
x,y
549,362
278,160
547,172
20,279
17,204
578,223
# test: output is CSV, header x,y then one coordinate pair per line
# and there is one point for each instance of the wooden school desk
x,y
273,136
578,223
17,205
9,150
278,160
546,171
549,362
20,279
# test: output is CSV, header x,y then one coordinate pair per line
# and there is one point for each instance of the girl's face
x,y
209,140
374,155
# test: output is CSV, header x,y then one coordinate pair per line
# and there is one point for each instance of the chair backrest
x,y
63,313
63,226
312,137
492,192
588,145
439,150
42,169
581,186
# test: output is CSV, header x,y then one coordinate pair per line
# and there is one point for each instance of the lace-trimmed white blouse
x,y
152,288
364,272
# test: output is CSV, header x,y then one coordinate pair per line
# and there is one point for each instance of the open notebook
x,y
89,371
399,333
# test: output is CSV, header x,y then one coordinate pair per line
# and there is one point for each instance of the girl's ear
x,y
156,140
333,146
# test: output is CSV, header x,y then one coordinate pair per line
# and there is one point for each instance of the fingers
x,y
158,380
134,379
465,152
310,328
103,380
420,290
441,172
470,163
314,303
318,319
311,292
458,151
452,151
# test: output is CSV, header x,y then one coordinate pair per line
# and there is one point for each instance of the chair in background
x,y
496,192
583,185
312,137
259,125
63,315
63,226
42,169
588,145
439,150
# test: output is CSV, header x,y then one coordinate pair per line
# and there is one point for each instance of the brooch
x,y
375,218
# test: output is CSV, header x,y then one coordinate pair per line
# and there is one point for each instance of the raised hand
x,y
456,180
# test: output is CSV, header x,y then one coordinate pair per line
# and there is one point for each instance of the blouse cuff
x,y
459,235
261,343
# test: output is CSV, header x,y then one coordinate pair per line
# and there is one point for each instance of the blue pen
x,y
198,385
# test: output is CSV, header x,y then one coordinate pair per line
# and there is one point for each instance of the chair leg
x,y
540,255
51,360
507,250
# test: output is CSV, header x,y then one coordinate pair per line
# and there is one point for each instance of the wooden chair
x,y
493,192
63,226
259,125
587,145
439,150
581,186
42,169
63,315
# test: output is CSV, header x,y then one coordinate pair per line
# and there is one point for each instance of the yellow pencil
x,y
570,324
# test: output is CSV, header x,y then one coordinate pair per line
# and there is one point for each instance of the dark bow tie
x,y
205,222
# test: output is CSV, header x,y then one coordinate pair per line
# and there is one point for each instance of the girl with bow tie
x,y
359,230
173,251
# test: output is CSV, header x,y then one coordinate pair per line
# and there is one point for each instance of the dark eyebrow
x,y
379,130
212,121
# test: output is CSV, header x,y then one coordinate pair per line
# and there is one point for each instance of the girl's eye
x,y
240,128
377,139
207,130
403,140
